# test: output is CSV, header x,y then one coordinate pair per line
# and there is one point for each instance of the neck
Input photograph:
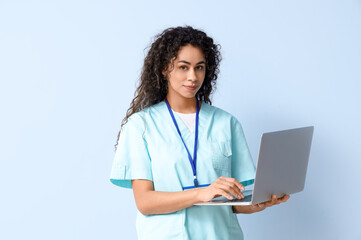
x,y
182,105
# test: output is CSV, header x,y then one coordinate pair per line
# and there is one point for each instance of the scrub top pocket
x,y
222,157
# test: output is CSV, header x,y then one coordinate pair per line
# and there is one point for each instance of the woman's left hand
x,y
261,206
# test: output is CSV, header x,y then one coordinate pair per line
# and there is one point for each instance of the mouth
x,y
191,88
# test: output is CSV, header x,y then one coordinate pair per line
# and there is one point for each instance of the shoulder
x,y
145,116
220,115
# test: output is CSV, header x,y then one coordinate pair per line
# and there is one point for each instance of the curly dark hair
x,y
153,86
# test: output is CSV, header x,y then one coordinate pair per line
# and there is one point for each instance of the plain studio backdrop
x,y
68,72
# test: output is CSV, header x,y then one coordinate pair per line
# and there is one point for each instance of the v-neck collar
x,y
186,133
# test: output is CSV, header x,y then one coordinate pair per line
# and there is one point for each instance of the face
x,y
187,75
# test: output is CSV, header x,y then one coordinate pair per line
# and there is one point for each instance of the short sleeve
x,y
243,168
131,160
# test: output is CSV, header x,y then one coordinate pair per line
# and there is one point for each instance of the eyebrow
x,y
201,62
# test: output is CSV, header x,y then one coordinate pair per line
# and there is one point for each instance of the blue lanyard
x,y
193,161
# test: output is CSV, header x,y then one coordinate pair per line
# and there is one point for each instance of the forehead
x,y
190,53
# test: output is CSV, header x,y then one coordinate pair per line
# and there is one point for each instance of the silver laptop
x,y
281,168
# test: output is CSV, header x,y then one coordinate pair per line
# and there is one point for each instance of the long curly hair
x,y
153,85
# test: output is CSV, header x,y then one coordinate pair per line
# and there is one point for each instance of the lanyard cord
x,y
193,161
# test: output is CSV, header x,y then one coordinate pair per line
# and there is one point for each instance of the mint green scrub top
x,y
149,147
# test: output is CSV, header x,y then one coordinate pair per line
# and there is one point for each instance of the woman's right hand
x,y
223,186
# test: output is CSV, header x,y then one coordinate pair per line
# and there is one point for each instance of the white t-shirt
x,y
189,119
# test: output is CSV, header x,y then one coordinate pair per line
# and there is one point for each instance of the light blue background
x,y
68,72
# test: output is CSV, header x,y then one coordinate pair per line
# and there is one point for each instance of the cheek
x,y
176,79
172,82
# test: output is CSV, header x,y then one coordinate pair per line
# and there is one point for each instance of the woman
x,y
175,149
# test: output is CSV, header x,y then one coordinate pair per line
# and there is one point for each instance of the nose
x,y
192,76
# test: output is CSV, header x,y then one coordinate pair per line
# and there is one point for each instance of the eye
x,y
200,67
183,67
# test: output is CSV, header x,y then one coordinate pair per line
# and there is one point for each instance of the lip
x,y
191,88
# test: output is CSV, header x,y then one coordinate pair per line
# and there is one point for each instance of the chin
x,y
188,95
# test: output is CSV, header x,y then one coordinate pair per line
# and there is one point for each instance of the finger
x,y
235,182
227,187
230,187
225,194
283,198
272,201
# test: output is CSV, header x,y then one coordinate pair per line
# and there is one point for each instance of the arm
x,y
150,202
261,206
